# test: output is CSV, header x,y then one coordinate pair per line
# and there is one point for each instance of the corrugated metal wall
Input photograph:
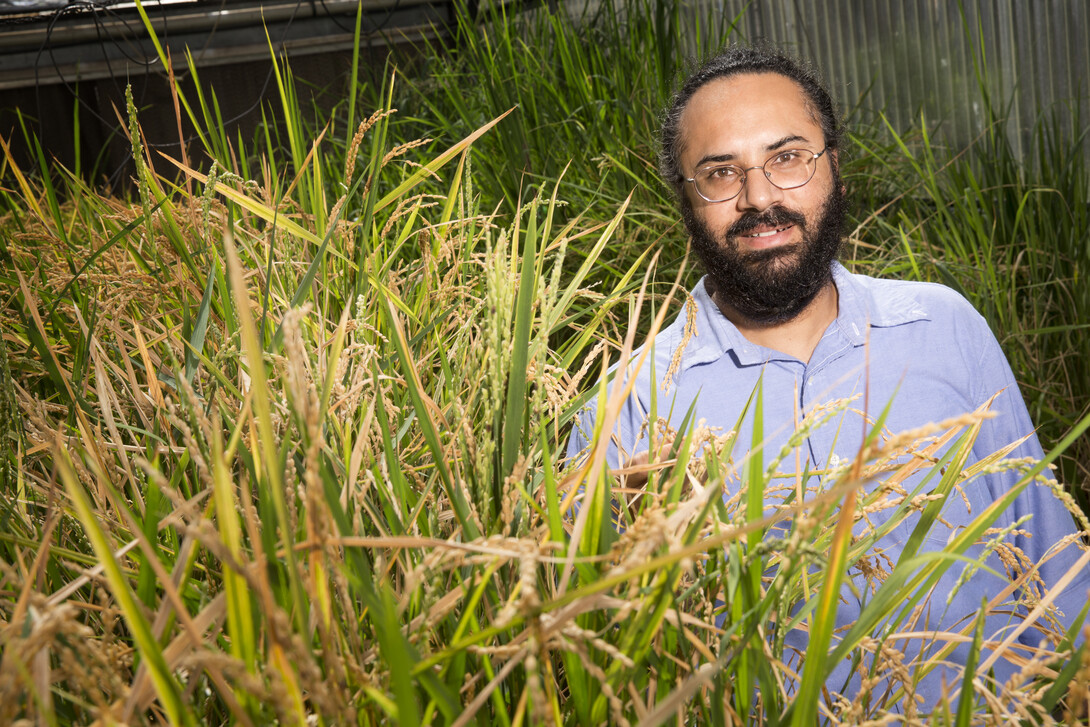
x,y
907,57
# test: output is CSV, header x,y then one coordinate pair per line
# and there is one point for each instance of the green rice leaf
x,y
167,688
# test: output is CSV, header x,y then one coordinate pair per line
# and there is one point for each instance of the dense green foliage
x,y
282,431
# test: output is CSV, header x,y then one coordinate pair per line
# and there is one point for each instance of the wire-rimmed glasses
x,y
785,169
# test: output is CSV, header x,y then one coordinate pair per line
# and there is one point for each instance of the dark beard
x,y
775,285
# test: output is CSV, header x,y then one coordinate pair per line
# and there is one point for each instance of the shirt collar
x,y
861,302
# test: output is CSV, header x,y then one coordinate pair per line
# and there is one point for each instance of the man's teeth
x,y
767,234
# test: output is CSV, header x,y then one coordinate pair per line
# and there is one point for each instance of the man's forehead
x,y
748,106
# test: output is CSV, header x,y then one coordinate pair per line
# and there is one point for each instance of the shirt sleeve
x,y
1050,524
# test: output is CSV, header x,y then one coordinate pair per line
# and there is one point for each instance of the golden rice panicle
x,y
357,139
58,642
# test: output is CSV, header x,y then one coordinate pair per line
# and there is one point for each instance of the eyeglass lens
x,y
787,170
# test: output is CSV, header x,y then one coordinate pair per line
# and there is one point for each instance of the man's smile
x,y
773,227
765,237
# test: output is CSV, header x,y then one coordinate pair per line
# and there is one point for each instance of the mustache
x,y
773,217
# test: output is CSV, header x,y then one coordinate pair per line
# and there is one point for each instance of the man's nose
x,y
757,192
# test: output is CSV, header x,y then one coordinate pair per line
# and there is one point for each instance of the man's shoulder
x,y
922,290
896,300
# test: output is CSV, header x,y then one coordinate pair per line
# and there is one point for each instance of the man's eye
x,y
786,158
722,173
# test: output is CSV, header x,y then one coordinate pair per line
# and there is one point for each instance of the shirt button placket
x,y
809,384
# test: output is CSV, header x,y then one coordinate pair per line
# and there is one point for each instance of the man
x,y
751,148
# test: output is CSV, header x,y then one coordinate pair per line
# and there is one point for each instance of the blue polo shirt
x,y
922,347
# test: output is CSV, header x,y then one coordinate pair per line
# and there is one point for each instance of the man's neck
x,y
797,337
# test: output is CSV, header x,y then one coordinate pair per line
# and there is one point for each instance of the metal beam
x,y
116,44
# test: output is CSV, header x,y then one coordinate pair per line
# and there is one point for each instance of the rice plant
x,y
283,475
281,445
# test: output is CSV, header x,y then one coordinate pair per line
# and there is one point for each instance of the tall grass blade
x,y
167,689
520,344
200,325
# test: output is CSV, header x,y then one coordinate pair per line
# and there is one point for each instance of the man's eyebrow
x,y
720,158
784,142
714,158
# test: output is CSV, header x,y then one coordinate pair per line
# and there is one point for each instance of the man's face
x,y
767,251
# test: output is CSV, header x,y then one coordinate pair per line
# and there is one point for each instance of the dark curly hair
x,y
736,60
